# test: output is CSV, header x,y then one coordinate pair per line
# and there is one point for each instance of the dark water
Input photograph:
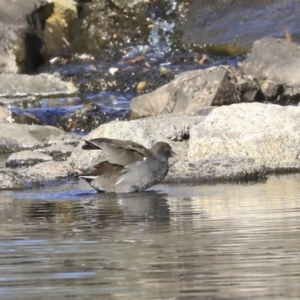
x,y
223,241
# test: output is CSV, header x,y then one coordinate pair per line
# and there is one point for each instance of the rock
x,y
195,89
58,151
31,29
271,89
10,179
16,137
26,158
274,59
173,129
8,62
56,35
64,139
16,85
217,168
269,134
61,146
19,45
38,174
5,115
46,171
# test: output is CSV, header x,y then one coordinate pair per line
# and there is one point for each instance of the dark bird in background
x,y
129,166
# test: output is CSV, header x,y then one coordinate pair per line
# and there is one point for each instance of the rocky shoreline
x,y
208,117
225,123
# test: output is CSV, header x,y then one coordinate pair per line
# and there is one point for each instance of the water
x,y
222,241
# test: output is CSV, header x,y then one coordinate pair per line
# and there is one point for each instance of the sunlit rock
x,y
267,133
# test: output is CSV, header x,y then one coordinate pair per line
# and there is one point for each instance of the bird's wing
x,y
118,151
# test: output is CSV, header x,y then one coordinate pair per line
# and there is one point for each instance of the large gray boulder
x,y
274,59
267,133
194,90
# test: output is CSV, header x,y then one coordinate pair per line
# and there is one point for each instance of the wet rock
x,y
58,152
195,89
16,137
46,171
173,129
108,29
16,85
220,167
267,133
274,59
10,179
21,102
26,158
83,119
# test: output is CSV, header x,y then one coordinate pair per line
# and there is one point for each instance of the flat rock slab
x,y
26,158
19,85
217,168
17,137
46,171
274,59
267,133
38,174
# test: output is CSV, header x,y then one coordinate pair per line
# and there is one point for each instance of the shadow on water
x,y
219,241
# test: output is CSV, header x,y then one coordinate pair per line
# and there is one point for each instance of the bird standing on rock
x,y
129,166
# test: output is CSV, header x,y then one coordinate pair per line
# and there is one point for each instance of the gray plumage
x,y
129,166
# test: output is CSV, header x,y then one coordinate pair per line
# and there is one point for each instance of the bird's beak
x,y
173,154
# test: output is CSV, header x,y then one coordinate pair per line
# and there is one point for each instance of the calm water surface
x,y
223,241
